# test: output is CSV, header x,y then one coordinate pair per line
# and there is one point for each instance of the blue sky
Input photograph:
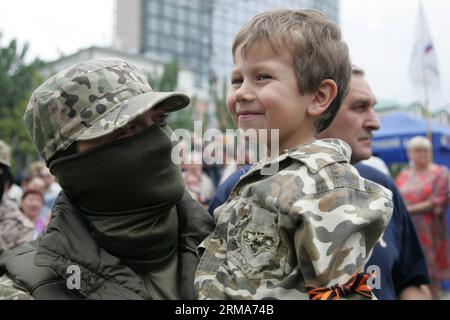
x,y
379,33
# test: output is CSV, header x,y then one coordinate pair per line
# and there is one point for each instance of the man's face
x,y
356,120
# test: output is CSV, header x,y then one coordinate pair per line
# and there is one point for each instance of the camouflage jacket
x,y
312,223
15,227
9,290
48,268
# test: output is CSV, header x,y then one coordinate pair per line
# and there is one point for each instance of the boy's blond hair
x,y
316,45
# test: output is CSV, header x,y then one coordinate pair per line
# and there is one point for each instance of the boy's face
x,y
264,94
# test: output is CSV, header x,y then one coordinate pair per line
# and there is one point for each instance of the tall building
x,y
230,16
198,33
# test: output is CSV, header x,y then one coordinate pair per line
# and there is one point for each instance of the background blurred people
x,y
199,185
212,168
13,191
378,164
35,168
32,206
425,188
15,228
36,183
52,188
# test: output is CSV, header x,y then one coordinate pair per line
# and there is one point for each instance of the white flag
x,y
424,70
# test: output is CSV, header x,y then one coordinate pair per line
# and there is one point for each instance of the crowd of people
x,y
108,198
26,208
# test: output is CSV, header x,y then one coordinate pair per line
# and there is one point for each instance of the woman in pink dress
x,y
425,188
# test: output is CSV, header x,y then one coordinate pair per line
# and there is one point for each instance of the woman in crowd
x,y
32,207
424,186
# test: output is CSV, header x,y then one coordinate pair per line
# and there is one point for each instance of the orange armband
x,y
356,284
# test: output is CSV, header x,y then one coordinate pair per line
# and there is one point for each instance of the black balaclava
x,y
127,191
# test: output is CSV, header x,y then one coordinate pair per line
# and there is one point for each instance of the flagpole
x,y
426,96
424,69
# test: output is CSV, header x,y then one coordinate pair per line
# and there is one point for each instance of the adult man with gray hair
x,y
124,223
398,255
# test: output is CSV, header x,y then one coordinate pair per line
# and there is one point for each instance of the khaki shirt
x,y
312,223
10,291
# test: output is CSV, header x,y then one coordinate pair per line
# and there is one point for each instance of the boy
x,y
123,227
307,230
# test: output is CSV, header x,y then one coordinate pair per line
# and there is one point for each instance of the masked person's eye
x,y
127,132
163,117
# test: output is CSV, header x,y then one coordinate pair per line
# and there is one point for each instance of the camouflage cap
x,y
5,154
90,100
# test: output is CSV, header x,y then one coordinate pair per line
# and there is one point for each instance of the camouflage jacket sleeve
x,y
15,228
337,216
336,230
11,291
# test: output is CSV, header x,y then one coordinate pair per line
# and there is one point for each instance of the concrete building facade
x,y
198,33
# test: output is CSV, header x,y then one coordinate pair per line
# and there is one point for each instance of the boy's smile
x,y
248,115
264,94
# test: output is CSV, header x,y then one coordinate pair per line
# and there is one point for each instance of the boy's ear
x,y
322,98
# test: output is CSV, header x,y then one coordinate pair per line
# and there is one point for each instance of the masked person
x,y
123,223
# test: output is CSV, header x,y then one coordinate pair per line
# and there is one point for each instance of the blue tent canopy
x,y
398,128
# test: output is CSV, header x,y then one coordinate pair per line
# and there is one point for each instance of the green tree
x,y
223,117
17,81
168,81
183,119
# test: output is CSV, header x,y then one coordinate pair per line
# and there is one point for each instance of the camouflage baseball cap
x,y
5,154
90,100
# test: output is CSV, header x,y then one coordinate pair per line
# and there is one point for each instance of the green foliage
x,y
183,119
169,77
396,168
18,79
168,81
223,117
